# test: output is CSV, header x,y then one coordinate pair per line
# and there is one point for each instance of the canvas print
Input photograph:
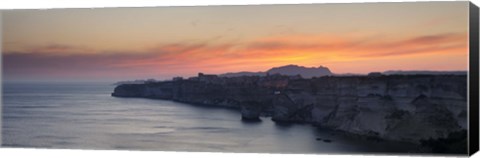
x,y
306,78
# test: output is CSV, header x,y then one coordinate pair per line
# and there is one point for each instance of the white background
x,y
61,153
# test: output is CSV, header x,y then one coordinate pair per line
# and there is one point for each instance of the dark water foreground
x,y
85,116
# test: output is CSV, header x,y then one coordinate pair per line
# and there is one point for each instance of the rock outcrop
x,y
397,107
288,70
305,72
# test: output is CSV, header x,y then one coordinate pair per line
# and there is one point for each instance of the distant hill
x,y
134,82
349,74
243,73
309,72
290,70
409,72
420,72
305,72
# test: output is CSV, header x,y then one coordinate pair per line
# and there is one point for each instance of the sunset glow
x,y
138,43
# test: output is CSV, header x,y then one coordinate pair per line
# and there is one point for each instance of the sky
x,y
114,44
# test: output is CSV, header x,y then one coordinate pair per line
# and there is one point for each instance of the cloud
x,y
167,60
62,65
441,43
60,49
366,47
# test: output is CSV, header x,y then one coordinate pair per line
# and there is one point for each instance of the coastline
x,y
252,98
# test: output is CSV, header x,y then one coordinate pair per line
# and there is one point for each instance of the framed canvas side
x,y
473,80
1,78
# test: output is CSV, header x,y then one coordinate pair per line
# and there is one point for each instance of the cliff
x,y
396,107
405,108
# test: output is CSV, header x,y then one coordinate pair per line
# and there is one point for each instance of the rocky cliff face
x,y
405,108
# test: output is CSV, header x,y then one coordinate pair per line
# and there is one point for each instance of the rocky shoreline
x,y
407,108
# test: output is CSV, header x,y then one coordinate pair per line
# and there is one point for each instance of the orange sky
x,y
135,43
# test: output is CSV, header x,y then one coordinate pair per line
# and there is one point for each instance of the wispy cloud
x,y
188,58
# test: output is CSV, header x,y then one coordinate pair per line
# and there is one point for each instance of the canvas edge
x,y
1,78
473,78
473,114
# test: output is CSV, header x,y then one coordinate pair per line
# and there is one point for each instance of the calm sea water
x,y
85,116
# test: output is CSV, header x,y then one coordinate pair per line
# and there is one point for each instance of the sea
x,y
86,116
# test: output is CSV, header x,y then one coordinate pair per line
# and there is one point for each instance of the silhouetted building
x,y
375,74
